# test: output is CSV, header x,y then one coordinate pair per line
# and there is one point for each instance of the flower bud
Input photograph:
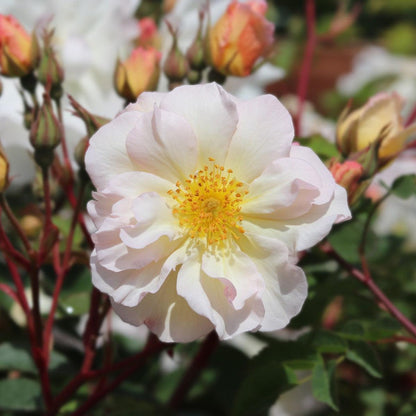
x,y
140,72
149,35
4,171
31,226
50,72
176,65
18,50
377,122
349,175
92,122
195,53
45,133
240,37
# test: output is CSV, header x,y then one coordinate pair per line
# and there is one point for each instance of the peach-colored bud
x,y
4,171
240,37
379,120
140,72
348,174
149,35
18,50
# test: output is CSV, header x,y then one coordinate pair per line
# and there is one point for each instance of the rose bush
x,y
202,204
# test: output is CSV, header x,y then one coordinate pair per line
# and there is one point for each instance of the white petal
x,y
264,133
164,144
146,101
286,189
167,315
106,156
211,112
285,284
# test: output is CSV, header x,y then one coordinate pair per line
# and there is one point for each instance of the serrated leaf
x,y
322,383
352,330
404,186
20,394
363,354
13,357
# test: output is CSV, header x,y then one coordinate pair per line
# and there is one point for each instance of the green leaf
x,y
404,186
329,342
321,146
364,355
353,330
20,394
14,357
323,382
261,388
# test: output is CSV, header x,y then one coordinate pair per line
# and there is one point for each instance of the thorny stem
x,y
369,282
67,161
306,63
198,364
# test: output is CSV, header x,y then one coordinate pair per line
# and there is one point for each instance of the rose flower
x,y
202,204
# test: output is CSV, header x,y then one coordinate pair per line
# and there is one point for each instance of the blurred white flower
x,y
198,223
89,35
375,62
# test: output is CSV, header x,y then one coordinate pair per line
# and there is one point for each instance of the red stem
x,y
306,63
369,282
198,364
10,292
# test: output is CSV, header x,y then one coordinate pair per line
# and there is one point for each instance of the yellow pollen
x,y
208,205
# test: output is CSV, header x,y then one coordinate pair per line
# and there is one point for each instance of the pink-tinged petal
x,y
167,315
264,133
307,230
146,101
238,274
163,144
285,284
326,183
286,189
106,156
153,220
212,114
208,297
127,286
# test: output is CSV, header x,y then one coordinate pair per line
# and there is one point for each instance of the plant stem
x,y
369,282
306,63
198,364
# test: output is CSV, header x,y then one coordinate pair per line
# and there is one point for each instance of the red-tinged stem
x,y
61,271
306,63
152,347
8,248
369,282
194,370
20,290
397,338
10,292
15,223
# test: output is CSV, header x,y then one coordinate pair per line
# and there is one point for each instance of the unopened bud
x,y
140,72
92,121
195,53
45,134
18,50
348,174
176,64
50,72
4,171
31,226
194,77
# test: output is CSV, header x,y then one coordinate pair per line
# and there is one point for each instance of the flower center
x,y
208,204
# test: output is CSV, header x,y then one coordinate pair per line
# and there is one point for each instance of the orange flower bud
x,y
18,50
349,175
140,72
379,120
239,38
149,35
4,171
